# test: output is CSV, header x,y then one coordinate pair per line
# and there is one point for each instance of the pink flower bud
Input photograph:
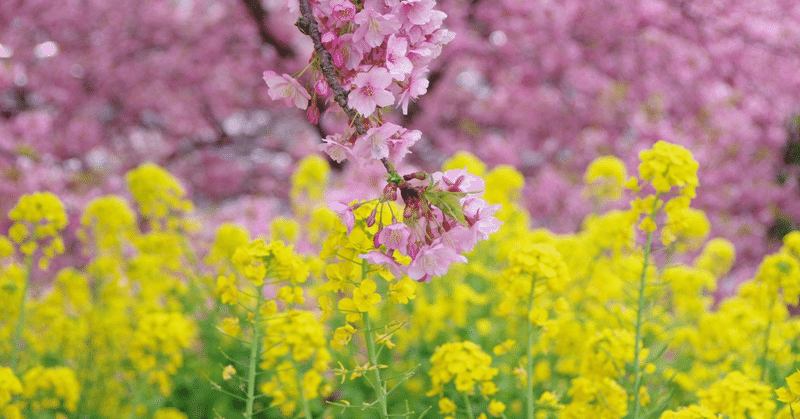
x,y
371,218
321,87
312,114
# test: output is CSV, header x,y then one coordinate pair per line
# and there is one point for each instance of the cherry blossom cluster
x,y
379,52
370,55
442,219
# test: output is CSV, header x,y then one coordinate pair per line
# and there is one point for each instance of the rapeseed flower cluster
x,y
160,197
601,398
781,271
38,218
667,165
530,263
738,397
157,347
110,222
10,388
790,394
309,182
50,388
562,312
295,348
465,365
605,178
717,257
258,260
228,238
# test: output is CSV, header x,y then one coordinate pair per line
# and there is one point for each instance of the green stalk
x,y
372,353
766,342
637,353
251,374
16,340
469,406
530,395
373,361
637,373
306,408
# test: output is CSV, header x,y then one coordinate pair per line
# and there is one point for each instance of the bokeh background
x,y
90,89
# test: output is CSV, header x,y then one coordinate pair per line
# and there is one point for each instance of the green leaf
x,y
448,202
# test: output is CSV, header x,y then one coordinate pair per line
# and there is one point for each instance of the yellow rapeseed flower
x,y
533,262
52,388
446,406
463,363
169,413
496,408
38,217
465,160
690,412
668,165
9,385
717,257
503,185
109,220
605,177
789,394
159,195
403,291
738,397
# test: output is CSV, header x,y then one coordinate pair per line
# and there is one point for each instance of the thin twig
x,y
308,25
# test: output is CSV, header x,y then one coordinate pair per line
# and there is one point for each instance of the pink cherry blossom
x,y
459,180
394,237
418,12
343,10
371,91
377,257
415,87
432,261
348,53
333,147
399,147
312,114
345,213
287,88
480,217
375,143
460,238
373,26
397,62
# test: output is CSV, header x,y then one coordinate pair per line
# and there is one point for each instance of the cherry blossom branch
x,y
259,15
308,25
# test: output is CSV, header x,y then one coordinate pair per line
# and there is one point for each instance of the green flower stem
x,y
16,340
469,406
637,352
251,373
306,408
377,384
137,397
637,373
766,342
373,361
531,398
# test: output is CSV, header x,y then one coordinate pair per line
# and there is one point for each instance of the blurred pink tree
x,y
90,89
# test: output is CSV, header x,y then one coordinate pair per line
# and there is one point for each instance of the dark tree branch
x,y
222,138
308,25
259,15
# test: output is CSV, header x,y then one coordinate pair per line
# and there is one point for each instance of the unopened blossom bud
x,y
371,218
312,114
321,87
